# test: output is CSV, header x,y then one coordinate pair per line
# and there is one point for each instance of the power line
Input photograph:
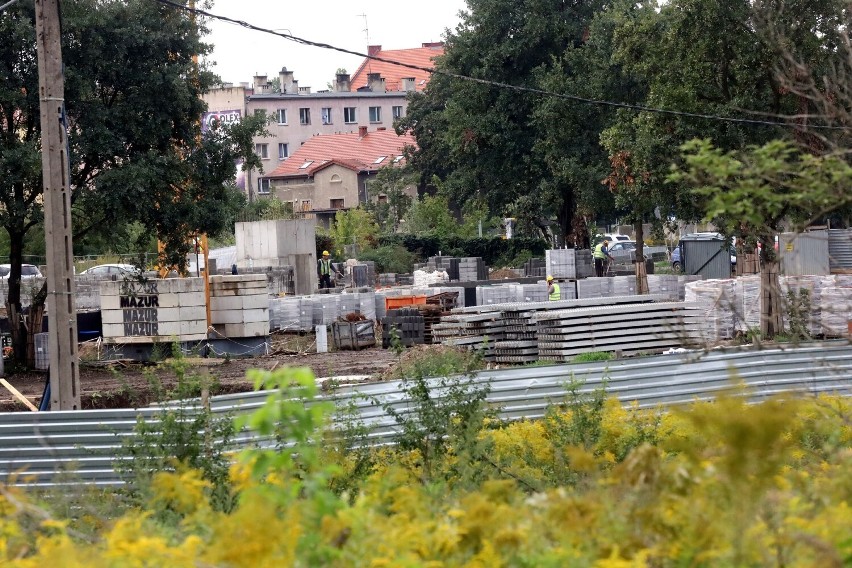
x,y
498,84
7,4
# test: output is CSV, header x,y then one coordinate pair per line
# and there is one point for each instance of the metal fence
x,y
41,448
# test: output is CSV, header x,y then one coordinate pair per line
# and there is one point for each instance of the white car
x,y
111,270
27,271
613,237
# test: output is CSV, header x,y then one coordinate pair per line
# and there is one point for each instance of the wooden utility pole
x,y
61,304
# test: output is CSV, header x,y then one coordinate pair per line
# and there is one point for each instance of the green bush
x,y
390,258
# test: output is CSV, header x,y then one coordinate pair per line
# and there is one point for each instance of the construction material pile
x,y
510,333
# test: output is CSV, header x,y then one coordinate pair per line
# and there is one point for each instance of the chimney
x,y
375,82
433,44
304,90
289,86
362,131
260,84
408,84
341,83
373,49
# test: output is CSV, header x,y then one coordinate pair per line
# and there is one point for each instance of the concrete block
x,y
169,328
189,299
192,327
231,278
169,300
168,314
255,329
112,316
111,302
239,302
109,288
193,313
113,329
239,316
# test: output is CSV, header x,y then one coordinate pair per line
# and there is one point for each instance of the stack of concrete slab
x,y
535,267
239,305
626,328
561,263
471,331
154,311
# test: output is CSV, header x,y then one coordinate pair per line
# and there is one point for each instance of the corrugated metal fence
x,y
38,448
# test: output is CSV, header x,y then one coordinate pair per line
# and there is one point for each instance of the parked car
x,y
621,247
27,271
615,237
112,270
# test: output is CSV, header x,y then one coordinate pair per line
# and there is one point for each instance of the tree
x,y
483,141
431,215
750,193
393,183
133,106
353,227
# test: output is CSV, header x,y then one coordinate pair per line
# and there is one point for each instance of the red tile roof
x,y
394,74
349,150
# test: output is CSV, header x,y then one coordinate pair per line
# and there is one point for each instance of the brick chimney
x,y
260,84
373,49
341,83
375,82
362,131
409,84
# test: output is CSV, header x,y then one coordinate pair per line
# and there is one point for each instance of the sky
x,y
239,53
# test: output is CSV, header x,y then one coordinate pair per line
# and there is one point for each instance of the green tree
x,y
133,106
353,227
431,215
482,140
394,183
750,193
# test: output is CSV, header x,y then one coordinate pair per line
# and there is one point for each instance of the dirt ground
x,y
126,384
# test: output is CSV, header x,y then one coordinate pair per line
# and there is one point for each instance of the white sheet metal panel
x,y
840,249
42,448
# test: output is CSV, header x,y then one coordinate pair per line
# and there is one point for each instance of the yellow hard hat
x,y
549,278
325,253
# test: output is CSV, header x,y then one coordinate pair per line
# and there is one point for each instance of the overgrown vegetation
x,y
590,484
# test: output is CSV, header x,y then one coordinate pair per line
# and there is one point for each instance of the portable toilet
x,y
705,254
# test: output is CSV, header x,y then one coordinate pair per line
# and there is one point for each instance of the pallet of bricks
x,y
409,325
627,328
436,306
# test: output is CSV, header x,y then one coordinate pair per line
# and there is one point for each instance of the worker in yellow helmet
x,y
324,270
554,294
602,256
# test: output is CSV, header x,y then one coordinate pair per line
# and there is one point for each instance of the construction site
x,y
260,308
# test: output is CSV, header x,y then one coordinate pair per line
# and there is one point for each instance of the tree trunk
x,y
771,322
641,272
566,216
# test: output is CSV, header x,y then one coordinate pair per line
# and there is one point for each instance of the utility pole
x,y
61,304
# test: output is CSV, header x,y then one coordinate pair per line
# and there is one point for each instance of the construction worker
x,y
554,294
324,270
601,255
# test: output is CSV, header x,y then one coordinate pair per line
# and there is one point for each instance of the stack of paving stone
x,y
488,295
325,308
626,328
387,279
585,264
409,325
561,263
472,269
606,286
291,314
363,303
717,301
535,268
529,292
803,286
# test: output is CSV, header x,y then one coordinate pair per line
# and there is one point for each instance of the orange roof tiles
x,y
350,150
394,74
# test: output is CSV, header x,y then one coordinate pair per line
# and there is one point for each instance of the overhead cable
x,y
499,84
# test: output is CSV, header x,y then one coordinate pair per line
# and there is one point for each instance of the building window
x,y
375,114
349,115
326,115
335,178
262,185
380,159
283,151
397,112
337,203
304,116
262,150
282,115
